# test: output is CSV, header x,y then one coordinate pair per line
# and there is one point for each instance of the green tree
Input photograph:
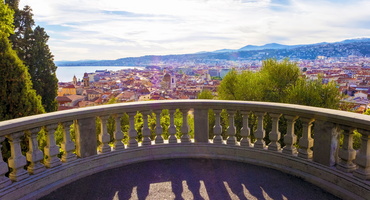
x,y
277,76
278,81
42,69
227,87
6,20
23,23
12,3
367,112
18,97
313,93
205,94
31,47
251,86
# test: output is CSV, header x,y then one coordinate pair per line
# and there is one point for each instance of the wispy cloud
x,y
96,29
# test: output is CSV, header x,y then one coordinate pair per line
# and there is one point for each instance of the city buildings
x,y
176,81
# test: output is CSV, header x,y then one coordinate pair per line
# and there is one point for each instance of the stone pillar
x,y
347,154
86,143
158,127
274,135
145,130
51,149
326,143
290,138
172,127
132,133
104,137
34,154
260,132
118,135
245,132
231,130
185,138
306,141
201,125
67,145
16,161
363,157
4,181
217,129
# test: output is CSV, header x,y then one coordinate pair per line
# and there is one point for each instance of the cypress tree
x,y
31,47
42,69
6,20
23,23
18,99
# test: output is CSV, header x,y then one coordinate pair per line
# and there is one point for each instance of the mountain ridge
x,y
357,47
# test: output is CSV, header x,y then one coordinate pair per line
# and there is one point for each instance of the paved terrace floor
x,y
190,179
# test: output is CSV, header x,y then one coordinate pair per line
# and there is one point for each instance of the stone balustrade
x,y
317,156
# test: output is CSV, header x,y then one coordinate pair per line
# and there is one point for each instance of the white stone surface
x,y
317,170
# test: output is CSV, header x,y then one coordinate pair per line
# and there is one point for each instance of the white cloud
x,y
142,27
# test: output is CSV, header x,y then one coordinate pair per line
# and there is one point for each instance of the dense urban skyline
x,y
95,29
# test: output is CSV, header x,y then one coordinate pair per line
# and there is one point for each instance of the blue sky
x,y
112,29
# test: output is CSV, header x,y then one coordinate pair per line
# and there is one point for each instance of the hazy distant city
x,y
179,79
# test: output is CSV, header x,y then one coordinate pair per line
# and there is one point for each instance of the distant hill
x,y
357,47
267,46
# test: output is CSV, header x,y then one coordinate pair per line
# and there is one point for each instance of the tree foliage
x,y
277,76
42,69
367,112
313,93
23,23
227,89
18,97
6,20
31,47
278,82
205,94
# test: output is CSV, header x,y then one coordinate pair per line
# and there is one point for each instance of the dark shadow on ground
x,y
190,179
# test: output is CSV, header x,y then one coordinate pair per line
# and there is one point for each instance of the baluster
x,y
347,154
290,138
260,132
4,181
51,149
158,127
16,161
231,130
245,131
145,129
185,138
306,141
34,154
217,129
363,156
132,133
104,137
172,127
274,135
118,135
67,145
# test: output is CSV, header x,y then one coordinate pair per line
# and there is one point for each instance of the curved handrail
x,y
335,116
323,154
